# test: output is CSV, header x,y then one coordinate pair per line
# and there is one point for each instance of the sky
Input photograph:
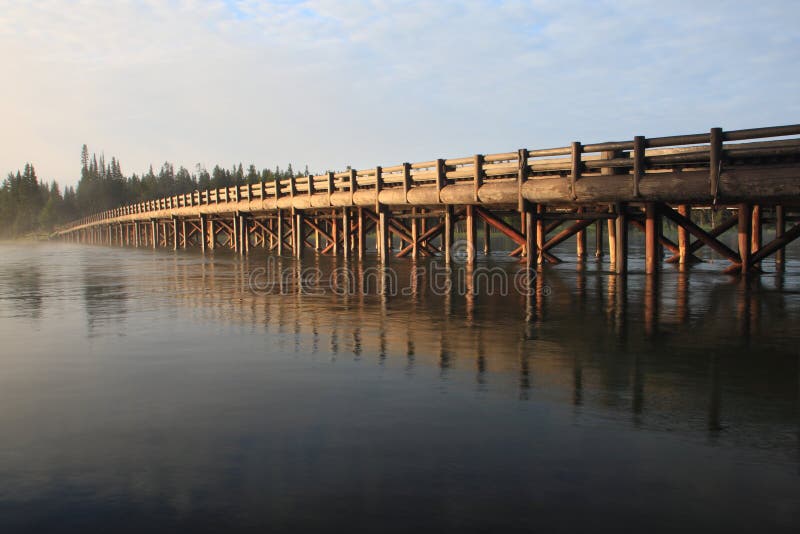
x,y
331,83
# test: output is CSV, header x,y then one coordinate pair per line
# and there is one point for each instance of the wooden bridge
x,y
539,198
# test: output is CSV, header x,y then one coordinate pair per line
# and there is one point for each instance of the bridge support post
x,y
346,232
448,233
621,230
183,234
212,234
203,237
651,231
541,234
174,233
414,234
234,233
531,245
244,222
598,238
362,235
755,242
472,241
279,231
683,235
745,235
154,232
383,235
298,234
580,241
487,238
780,229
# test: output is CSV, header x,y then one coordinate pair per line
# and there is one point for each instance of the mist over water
x,y
150,390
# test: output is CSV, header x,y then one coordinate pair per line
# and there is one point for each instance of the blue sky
x,y
334,83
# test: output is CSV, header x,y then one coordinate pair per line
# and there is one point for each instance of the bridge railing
x,y
638,157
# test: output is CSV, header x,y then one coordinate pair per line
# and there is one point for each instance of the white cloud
x,y
331,83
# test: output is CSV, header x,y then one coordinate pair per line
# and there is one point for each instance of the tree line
x,y
29,205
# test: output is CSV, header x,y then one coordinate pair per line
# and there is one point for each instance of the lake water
x,y
148,391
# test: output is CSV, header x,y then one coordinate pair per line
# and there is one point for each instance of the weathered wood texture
x,y
634,182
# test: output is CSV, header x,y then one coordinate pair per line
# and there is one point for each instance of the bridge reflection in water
x,y
685,350
156,390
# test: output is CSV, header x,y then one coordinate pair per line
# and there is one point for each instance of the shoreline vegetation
x,y
30,207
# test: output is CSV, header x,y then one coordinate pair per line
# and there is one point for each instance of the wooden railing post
x,y
575,174
639,146
477,177
522,176
354,183
406,180
378,187
715,161
441,179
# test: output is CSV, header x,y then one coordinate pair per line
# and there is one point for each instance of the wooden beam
x,y
777,244
566,233
697,245
500,225
700,234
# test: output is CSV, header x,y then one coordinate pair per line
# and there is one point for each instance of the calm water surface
x,y
146,391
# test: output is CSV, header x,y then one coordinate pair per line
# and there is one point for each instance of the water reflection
x,y
104,296
226,406
21,285
654,346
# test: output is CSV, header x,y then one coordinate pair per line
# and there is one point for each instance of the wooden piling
x,y
362,235
472,244
346,233
532,257
580,241
203,230
541,234
297,233
598,237
651,238
487,238
745,221
414,233
448,233
780,230
621,238
683,234
279,232
755,231
382,235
